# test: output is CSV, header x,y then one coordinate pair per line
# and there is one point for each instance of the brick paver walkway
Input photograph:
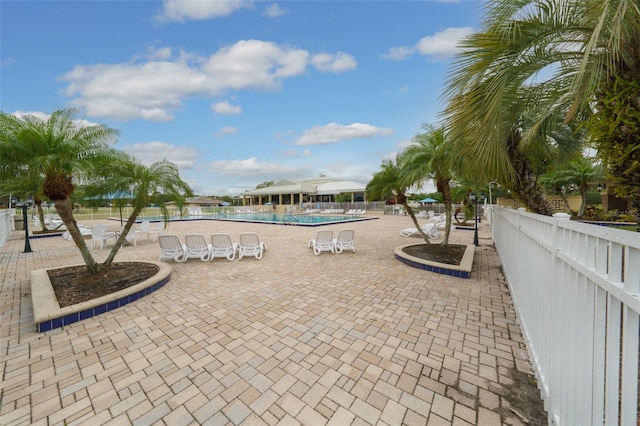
x,y
350,339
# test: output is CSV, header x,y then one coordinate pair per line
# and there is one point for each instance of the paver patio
x,y
293,338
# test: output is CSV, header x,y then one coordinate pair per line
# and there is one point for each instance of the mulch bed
x,y
75,284
450,254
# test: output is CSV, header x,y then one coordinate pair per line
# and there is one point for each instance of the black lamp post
x,y
27,245
474,199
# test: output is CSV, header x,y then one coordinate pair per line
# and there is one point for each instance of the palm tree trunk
x,y
402,200
38,203
64,209
583,202
123,236
446,193
525,185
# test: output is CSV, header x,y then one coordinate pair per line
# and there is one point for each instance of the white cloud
x,y
185,10
340,62
44,116
159,54
150,152
154,89
398,53
294,153
146,91
441,45
273,11
333,132
249,167
225,108
254,64
444,43
226,130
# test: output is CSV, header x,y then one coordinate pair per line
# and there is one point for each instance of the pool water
x,y
272,218
288,219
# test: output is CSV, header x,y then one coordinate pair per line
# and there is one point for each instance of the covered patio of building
x,y
293,192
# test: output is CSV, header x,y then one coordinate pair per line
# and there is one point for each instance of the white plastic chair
x,y
344,241
250,245
131,236
322,242
100,234
222,246
143,228
172,248
197,247
155,230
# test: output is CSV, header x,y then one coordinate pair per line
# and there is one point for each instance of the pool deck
x,y
294,338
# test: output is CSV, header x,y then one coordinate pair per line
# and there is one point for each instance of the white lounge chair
x,y
56,225
322,242
100,234
250,245
344,241
172,248
430,229
222,246
197,247
86,232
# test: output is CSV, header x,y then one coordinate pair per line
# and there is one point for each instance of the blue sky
x,y
238,92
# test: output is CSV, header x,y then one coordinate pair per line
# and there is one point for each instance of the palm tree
x,y
392,182
538,60
557,182
429,157
142,185
582,173
26,185
57,149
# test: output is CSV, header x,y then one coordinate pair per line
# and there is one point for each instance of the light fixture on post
x,y
474,199
25,204
481,199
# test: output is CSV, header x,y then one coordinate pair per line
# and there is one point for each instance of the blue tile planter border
x,y
48,314
462,271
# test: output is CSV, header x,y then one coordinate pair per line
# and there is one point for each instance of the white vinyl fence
x,y
576,290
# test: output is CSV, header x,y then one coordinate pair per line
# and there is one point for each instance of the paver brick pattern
x,y
293,338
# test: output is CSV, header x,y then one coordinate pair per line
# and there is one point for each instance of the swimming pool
x,y
289,219
272,218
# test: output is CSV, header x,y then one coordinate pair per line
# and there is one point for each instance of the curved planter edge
x,y
463,270
48,315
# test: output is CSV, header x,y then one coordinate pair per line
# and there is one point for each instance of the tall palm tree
x,y
534,61
390,181
57,149
429,157
142,185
